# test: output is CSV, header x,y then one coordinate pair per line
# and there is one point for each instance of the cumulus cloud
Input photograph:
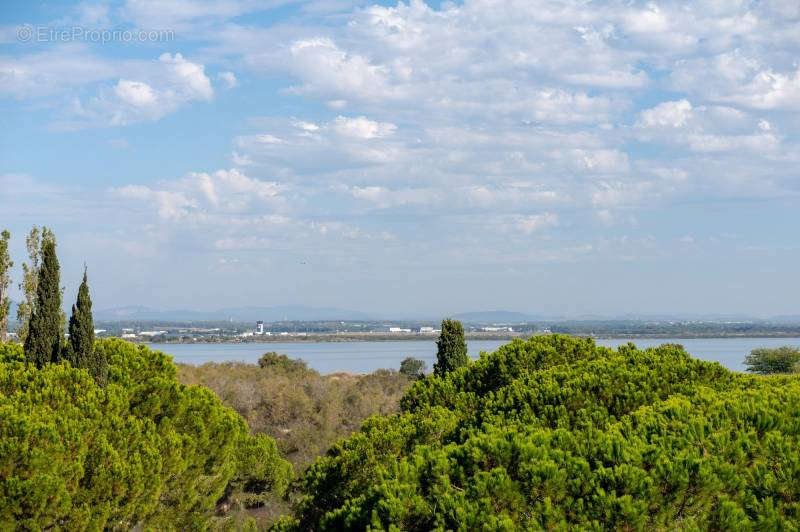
x,y
327,69
667,114
549,102
169,83
200,195
769,90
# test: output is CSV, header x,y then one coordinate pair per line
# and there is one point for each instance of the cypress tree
x,y
451,348
45,334
81,328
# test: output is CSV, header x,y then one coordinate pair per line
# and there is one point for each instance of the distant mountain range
x,y
511,317
307,313
268,314
496,316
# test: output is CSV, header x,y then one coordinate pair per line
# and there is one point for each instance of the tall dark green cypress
x,y
81,328
451,347
45,334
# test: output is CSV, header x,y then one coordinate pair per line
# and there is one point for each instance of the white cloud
x,y
229,79
58,68
362,128
169,83
383,197
769,90
667,114
200,195
648,20
327,69
762,143
136,93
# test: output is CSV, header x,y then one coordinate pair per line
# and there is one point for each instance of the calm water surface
x,y
365,357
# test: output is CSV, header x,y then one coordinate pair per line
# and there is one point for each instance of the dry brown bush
x,y
304,411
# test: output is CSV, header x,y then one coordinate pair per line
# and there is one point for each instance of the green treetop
x,y
451,348
30,276
5,282
80,349
765,361
45,333
413,368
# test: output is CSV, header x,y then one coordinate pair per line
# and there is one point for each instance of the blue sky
x,y
564,157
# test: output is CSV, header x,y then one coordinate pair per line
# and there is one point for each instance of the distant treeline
x,y
673,330
336,331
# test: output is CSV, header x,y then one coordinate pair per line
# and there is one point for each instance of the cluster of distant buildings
x,y
421,330
259,330
130,334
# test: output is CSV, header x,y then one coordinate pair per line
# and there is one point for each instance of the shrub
x,y
413,368
304,411
766,361
275,361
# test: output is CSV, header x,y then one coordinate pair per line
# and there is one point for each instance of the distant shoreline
x,y
396,337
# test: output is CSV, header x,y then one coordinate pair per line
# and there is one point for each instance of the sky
x,y
552,157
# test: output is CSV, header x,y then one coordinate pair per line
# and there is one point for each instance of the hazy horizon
x,y
554,158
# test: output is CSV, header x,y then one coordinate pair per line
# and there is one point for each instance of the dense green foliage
x,y
278,362
451,348
5,282
558,434
45,338
765,361
80,347
413,368
30,276
142,451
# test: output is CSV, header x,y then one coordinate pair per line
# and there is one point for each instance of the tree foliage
x,y
45,335
276,361
557,433
30,276
765,361
5,282
144,451
451,348
413,368
80,347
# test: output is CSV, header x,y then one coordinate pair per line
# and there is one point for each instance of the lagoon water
x,y
365,357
